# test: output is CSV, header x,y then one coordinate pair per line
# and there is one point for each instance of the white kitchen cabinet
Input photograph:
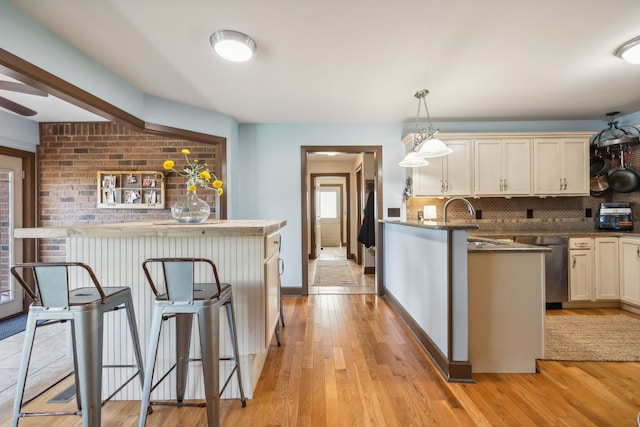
x,y
271,285
581,283
607,268
502,167
594,269
560,166
629,270
448,175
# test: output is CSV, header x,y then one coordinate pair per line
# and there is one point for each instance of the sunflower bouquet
x,y
197,174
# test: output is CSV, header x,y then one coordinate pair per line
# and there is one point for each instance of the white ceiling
x,y
362,60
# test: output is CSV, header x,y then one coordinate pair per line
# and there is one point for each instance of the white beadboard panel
x,y
118,261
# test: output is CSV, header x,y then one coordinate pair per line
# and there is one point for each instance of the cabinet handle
x,y
581,245
638,251
560,184
502,185
564,187
573,263
505,185
281,266
442,185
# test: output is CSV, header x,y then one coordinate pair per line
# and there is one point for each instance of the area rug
x,y
597,338
334,273
12,326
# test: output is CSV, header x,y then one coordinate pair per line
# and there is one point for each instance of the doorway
x,y
311,250
11,211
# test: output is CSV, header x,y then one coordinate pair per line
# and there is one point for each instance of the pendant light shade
x,y
434,148
413,160
233,45
425,145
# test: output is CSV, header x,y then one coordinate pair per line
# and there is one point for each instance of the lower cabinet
x,y
630,270
607,268
272,285
594,269
581,283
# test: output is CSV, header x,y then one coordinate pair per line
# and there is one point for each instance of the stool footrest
x,y
179,404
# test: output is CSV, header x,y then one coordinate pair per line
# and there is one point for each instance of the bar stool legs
x,y
87,340
209,326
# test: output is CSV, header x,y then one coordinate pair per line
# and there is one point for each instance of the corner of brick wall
x,y
71,154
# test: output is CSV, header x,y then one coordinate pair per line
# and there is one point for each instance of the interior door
x,y
330,215
11,295
317,229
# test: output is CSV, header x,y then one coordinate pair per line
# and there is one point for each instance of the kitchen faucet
x,y
469,206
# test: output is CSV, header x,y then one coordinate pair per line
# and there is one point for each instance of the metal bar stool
x,y
84,307
181,297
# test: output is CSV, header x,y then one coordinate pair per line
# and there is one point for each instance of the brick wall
x,y
69,157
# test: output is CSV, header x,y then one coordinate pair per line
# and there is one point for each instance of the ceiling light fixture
x,y
425,145
630,51
233,45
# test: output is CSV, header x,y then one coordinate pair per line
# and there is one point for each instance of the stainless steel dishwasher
x,y
556,267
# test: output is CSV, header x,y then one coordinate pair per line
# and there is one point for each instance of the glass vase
x,y
190,209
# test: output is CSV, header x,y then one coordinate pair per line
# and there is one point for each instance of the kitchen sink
x,y
481,243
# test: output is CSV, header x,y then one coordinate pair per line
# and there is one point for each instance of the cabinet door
x,y
607,277
547,172
581,274
428,180
630,270
488,167
457,169
516,166
575,161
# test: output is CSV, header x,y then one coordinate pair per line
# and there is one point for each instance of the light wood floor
x,y
346,360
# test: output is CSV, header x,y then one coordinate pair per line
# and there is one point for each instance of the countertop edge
x,y
157,229
432,225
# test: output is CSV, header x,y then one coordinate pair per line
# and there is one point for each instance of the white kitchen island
x,y
246,255
473,306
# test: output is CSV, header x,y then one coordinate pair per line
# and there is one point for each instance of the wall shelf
x,y
130,190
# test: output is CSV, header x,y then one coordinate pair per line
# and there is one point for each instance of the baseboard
x,y
369,270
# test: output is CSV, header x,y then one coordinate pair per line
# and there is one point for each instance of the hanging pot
x,y
598,165
599,184
623,179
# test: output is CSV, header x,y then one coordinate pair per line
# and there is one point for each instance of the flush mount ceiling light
x,y
425,145
630,51
233,45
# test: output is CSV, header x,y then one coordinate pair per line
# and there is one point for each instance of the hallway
x,y
366,283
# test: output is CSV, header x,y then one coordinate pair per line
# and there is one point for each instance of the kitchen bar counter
x,y
157,229
244,253
435,279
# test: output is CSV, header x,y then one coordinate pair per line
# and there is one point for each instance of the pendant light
x,y
425,145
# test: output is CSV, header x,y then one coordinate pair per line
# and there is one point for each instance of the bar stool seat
x,y
179,296
85,308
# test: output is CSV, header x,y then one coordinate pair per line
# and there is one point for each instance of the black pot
x,y
598,165
623,180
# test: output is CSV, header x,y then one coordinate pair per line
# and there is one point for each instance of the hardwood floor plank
x,y
347,360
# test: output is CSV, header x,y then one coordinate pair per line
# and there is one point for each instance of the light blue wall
x,y
16,132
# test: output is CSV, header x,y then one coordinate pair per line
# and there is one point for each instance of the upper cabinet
x,y
506,165
560,166
446,176
502,167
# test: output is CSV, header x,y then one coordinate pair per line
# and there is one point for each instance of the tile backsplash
x,y
503,213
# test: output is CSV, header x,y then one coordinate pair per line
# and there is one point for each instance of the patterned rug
x,y
611,338
334,273
12,326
